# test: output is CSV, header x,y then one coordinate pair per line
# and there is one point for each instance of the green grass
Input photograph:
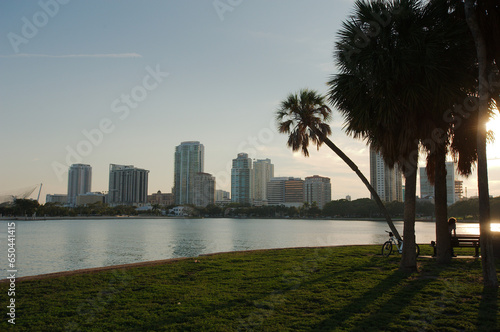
x,y
340,288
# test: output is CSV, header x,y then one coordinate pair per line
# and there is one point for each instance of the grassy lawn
x,y
340,288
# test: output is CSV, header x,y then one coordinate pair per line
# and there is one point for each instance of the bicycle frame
x,y
396,242
393,241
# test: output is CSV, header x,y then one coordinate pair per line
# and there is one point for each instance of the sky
x,y
124,82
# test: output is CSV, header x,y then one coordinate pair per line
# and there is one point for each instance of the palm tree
x,y
485,14
304,118
400,68
454,126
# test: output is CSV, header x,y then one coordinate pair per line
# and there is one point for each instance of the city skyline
x,y
257,173
253,162
125,83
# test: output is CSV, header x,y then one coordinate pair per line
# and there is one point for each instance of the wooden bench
x,y
462,241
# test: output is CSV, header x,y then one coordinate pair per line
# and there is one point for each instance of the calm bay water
x,y
45,246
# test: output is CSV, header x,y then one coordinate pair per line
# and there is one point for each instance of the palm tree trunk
x,y
355,168
409,258
488,260
443,241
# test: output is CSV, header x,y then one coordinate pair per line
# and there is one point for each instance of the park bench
x,y
461,241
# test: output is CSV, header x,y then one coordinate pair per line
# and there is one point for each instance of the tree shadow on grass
x,y
377,307
259,309
488,310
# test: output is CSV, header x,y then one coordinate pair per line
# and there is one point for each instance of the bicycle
x,y
387,246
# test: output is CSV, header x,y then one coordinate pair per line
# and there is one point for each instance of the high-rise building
x,y
317,189
189,160
427,190
263,171
459,190
286,191
79,181
128,185
387,182
241,179
204,189
276,191
294,191
450,182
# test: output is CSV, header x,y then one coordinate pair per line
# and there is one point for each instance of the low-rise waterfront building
x,y
163,199
57,198
90,198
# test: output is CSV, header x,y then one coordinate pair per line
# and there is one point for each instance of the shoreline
x,y
92,270
196,259
238,218
220,217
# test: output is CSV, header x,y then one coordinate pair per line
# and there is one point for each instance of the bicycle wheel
x,y
387,248
417,249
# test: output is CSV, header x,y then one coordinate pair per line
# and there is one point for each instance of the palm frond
x,y
401,65
300,115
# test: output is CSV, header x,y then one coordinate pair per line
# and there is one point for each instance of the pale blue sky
x,y
225,80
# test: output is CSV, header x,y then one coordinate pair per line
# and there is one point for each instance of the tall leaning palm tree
x,y
304,116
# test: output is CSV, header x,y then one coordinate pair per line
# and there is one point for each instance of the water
x,y
46,246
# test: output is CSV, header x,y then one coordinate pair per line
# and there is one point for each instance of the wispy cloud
x,y
118,55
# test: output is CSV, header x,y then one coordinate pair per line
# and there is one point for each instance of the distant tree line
x,y
30,208
469,209
359,208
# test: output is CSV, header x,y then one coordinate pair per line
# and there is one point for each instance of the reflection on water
x,y
60,245
468,228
